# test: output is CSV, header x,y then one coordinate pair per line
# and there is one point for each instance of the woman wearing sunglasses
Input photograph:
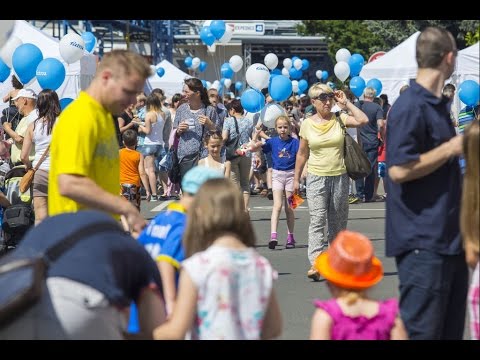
x,y
322,144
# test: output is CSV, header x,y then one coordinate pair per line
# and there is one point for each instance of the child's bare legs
x,y
40,207
276,209
289,213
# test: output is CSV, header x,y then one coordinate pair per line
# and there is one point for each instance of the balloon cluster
x,y
215,30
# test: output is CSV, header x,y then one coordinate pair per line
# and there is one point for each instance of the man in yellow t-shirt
x,y
84,171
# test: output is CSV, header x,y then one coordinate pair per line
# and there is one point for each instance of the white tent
x,y
394,69
399,65
171,82
78,75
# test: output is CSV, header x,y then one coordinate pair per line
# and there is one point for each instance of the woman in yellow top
x,y
322,144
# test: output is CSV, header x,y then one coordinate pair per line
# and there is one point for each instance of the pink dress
x,y
345,327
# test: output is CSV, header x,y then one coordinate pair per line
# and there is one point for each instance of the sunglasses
x,y
324,96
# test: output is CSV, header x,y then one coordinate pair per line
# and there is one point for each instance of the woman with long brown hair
x,y
469,219
39,133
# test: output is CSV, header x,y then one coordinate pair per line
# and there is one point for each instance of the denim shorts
x,y
158,151
382,169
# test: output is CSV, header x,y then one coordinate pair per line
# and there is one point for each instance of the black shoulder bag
x,y
232,145
23,280
356,161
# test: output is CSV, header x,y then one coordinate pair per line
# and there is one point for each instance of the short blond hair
x,y
125,62
319,88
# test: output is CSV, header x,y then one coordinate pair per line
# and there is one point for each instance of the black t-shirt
x,y
369,132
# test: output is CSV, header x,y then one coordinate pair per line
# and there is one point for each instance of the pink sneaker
x,y
290,242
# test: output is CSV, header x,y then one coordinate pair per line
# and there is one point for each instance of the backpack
x,y
23,280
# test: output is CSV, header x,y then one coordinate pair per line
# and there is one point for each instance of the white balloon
x,y
196,62
227,83
227,36
342,70
257,76
343,55
270,113
207,23
236,63
71,47
271,60
287,63
209,85
286,73
318,74
6,28
295,86
9,48
297,64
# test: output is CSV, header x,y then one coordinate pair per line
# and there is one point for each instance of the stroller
x,y
19,217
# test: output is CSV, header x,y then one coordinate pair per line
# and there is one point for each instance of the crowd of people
x,y
193,271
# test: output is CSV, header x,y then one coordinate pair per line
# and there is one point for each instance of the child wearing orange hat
x,y
350,268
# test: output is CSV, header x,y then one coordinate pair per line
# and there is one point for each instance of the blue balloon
x,y
276,72
357,85
376,84
65,102
468,92
4,71
294,73
252,100
226,71
238,85
188,62
294,58
356,64
204,83
50,73
90,41
25,60
280,88
222,81
325,75
206,36
217,28
305,64
160,71
202,66
302,85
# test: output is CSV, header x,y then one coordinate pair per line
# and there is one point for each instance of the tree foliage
x,y
368,36
353,35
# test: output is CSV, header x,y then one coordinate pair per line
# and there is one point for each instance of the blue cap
x,y
195,177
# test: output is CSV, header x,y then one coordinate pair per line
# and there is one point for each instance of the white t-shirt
x,y
234,288
351,131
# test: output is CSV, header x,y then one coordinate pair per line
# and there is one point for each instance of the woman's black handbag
x,y
174,172
356,161
232,145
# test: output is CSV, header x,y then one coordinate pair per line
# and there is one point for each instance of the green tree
x,y
395,31
353,35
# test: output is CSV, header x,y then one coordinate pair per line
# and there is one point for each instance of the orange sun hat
x,y
349,262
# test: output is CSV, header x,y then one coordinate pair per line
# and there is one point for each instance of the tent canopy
x,y
171,82
78,74
399,65
395,68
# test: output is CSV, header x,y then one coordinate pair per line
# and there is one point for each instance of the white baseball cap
x,y
26,93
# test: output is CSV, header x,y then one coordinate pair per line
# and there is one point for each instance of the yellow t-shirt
x,y
83,143
326,146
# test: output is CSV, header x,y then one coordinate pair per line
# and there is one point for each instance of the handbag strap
x,y
55,251
342,125
44,155
236,126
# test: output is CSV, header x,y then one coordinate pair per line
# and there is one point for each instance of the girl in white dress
x,y
214,143
226,287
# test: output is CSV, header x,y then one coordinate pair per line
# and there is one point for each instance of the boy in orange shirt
x,y
132,171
